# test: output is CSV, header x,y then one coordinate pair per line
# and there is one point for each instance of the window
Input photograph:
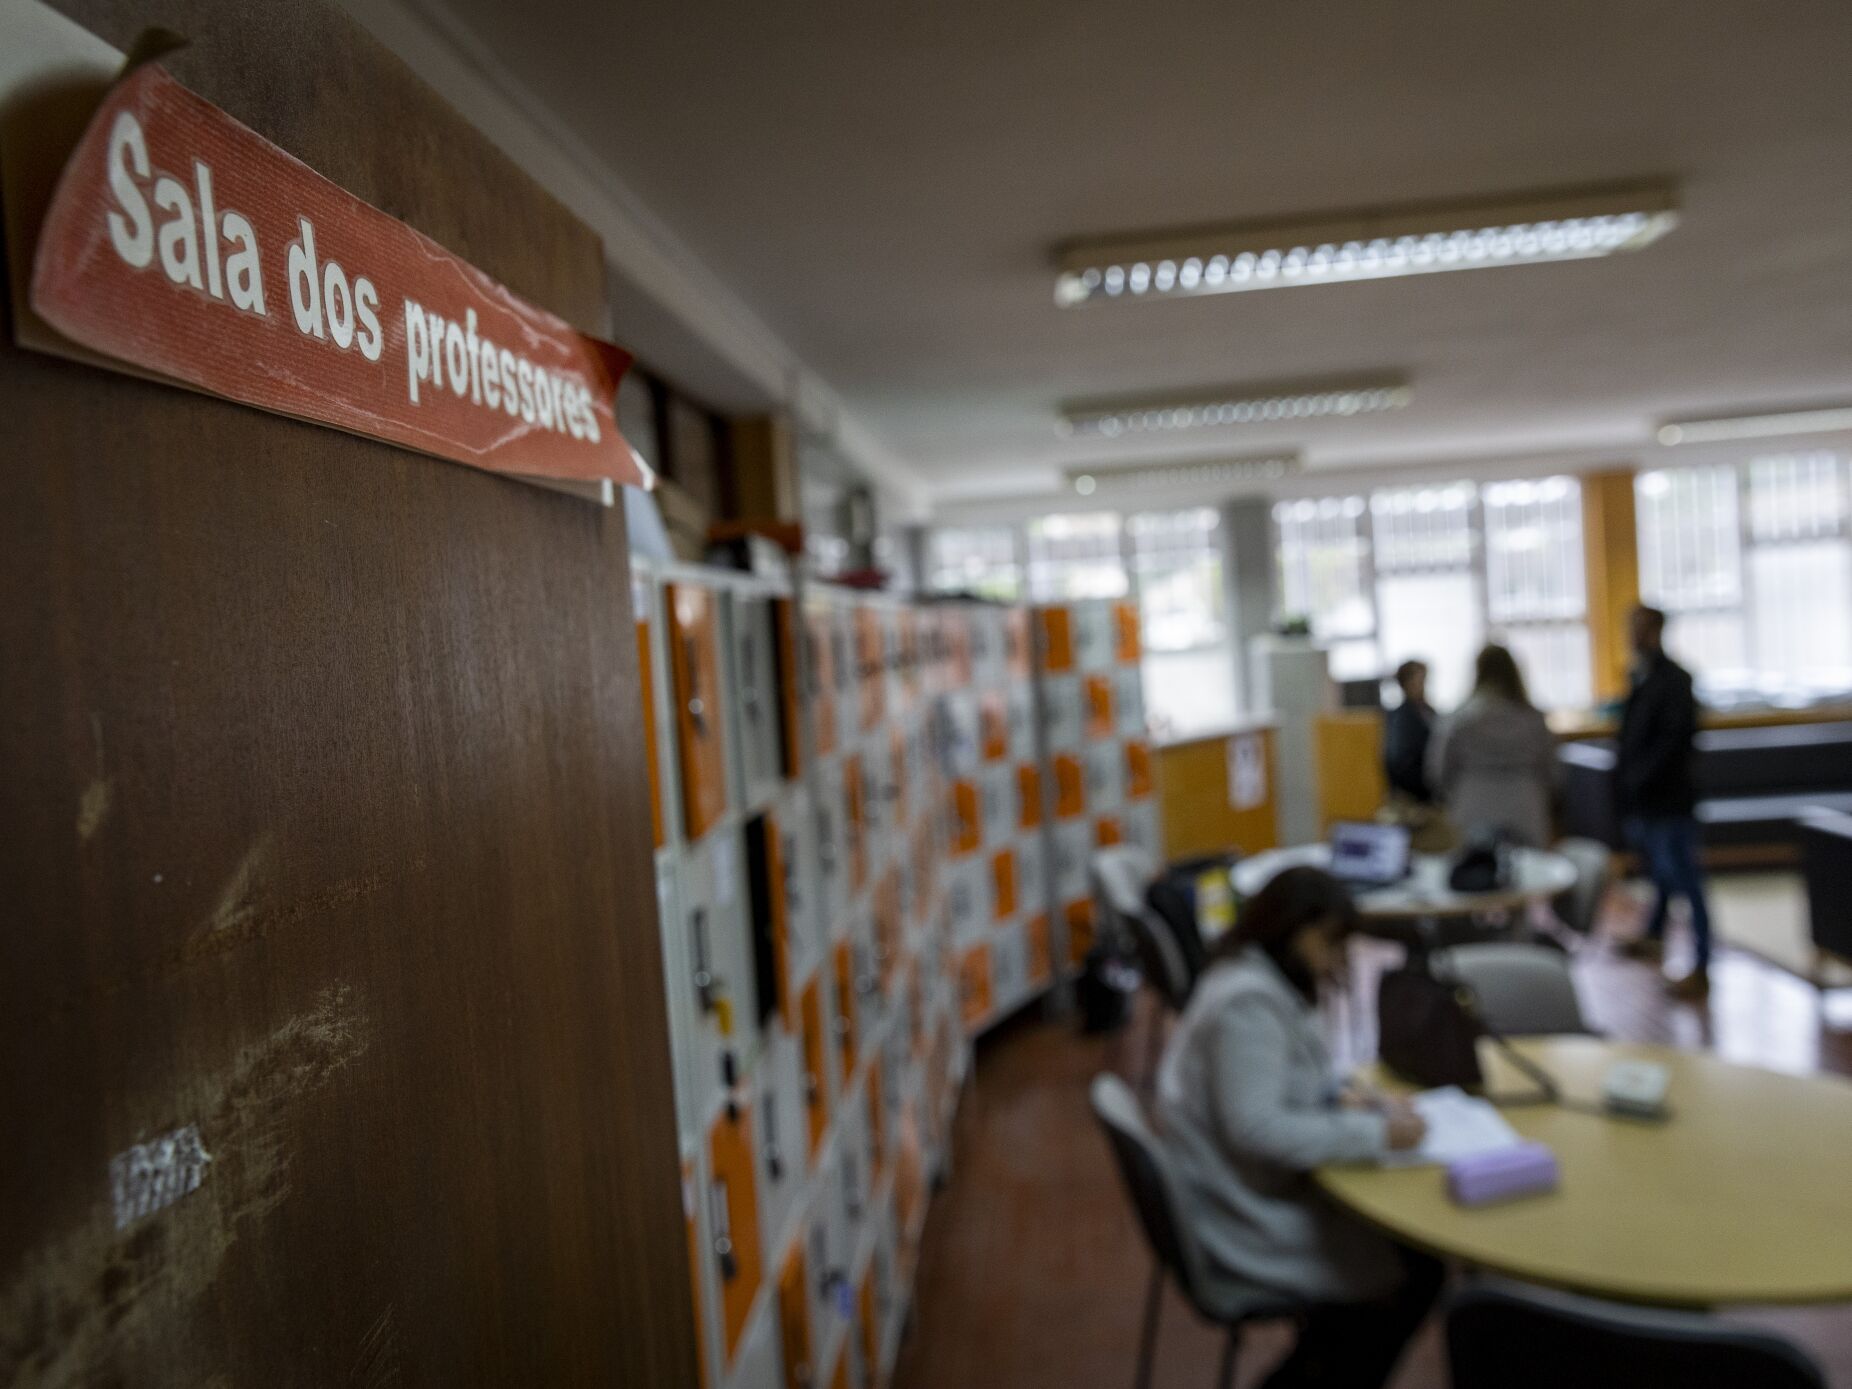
x,y
977,559
1325,578
1075,557
1427,595
1536,585
1189,664
1753,566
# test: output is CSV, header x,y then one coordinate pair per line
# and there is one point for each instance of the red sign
x,y
185,244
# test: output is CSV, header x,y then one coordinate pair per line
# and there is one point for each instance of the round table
x,y
1536,875
1741,1196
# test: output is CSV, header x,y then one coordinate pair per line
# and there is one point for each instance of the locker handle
x,y
706,985
697,707
774,1159
723,1230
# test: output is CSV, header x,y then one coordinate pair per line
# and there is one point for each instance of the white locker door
x,y
759,1362
781,1136
755,707
1062,708
1073,845
1105,777
1093,635
1129,700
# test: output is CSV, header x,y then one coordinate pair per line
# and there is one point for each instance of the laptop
x,y
1367,855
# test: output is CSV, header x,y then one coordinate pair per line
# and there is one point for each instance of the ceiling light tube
x,y
1233,405
1725,428
1194,473
1414,240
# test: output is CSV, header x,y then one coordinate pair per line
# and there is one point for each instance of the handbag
x,y
1428,1029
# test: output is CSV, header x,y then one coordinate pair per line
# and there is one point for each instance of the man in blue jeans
x,y
1657,795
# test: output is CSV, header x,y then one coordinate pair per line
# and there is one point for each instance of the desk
x,y
1742,1196
1536,875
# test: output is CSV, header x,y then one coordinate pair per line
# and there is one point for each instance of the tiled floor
x,y
1032,1272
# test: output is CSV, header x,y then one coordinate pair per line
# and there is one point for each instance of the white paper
x,y
1247,772
1459,1125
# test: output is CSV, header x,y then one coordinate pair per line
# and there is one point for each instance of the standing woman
x,y
1493,763
1248,1110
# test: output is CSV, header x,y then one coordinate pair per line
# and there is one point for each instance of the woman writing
x,y
1248,1110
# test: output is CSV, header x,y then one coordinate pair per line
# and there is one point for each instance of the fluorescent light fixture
x,y
1724,428
1192,473
1233,405
1413,240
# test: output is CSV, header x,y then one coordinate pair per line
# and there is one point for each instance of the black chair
x,y
1504,1337
1148,1181
1120,875
1826,864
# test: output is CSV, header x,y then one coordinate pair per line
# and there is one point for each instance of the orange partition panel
x,y
694,661
1196,800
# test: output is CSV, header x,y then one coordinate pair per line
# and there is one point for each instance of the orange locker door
x,y
845,1008
1137,770
974,980
694,660
1057,626
1041,957
1125,631
1099,707
1028,796
794,1318
734,1211
1003,884
871,1331
816,1084
1070,786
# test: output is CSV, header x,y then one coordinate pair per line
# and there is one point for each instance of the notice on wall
x,y
1247,772
182,245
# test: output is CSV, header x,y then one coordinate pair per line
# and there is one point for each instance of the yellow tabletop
x,y
1743,1196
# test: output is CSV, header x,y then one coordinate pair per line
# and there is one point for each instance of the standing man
x,y
1657,796
1406,733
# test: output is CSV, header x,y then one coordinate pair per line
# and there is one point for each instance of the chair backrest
x,y
1501,1337
1594,866
1146,1173
1522,990
1120,875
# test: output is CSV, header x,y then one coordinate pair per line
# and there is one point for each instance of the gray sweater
x,y
1493,765
1245,1107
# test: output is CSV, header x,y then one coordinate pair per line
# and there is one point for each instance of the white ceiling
x,y
881,185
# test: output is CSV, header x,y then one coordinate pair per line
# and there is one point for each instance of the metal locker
x,y
854,1177
870,1005
1055,637
803,930
993,721
989,662
829,816
794,1329
815,1080
1097,690
782,1133
1018,645
964,744
1129,701
1005,894
968,897
855,821
1019,712
1137,770
759,1362
1125,624
1065,723
685,1044
826,1256
878,792
848,678
758,719
997,796
1009,966
974,985
1070,785
1072,846
700,700
733,1220
1105,776
716,953
1031,870
870,667
820,677
787,645
1093,635
1143,828
1029,795
847,1002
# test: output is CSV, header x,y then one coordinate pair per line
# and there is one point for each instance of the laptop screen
x,y
1364,853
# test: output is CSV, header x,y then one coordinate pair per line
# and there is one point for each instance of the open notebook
x,y
1459,1125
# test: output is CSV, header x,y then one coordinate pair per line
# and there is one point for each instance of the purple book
x,y
1525,1170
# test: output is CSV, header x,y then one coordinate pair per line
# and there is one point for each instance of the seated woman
x,y
1248,1108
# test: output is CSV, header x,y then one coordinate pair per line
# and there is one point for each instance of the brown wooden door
x,y
325,834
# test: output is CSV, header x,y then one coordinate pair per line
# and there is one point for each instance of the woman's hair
x,y
1293,899
1496,672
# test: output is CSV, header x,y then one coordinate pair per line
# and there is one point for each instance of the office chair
x,y
1120,875
1522,990
1580,906
1146,1172
1504,1337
